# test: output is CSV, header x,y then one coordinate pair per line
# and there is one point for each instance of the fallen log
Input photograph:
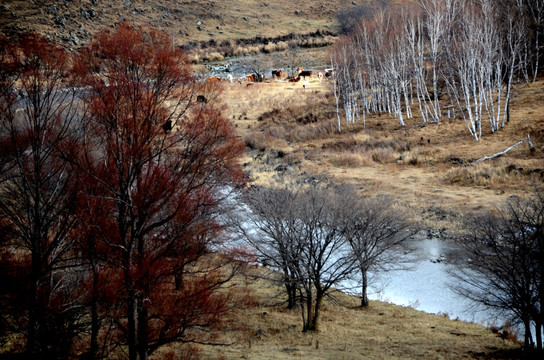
x,y
528,140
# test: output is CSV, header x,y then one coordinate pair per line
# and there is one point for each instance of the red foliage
x,y
151,196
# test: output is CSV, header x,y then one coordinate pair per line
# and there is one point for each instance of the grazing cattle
x,y
230,78
306,84
304,73
201,99
255,78
320,76
328,72
277,73
296,79
214,79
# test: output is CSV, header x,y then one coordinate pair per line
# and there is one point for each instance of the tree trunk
x,y
132,326
528,338
538,335
95,320
364,295
315,322
33,344
142,332
291,295
308,325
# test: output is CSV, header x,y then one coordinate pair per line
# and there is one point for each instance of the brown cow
x,y
214,79
251,78
277,73
304,73
297,79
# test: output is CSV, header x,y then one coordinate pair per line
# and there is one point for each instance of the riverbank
x,y
381,331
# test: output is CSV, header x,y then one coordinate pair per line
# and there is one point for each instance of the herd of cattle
x,y
278,75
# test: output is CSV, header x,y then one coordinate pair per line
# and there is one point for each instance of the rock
x,y
5,7
218,27
353,3
296,12
246,18
92,13
84,14
199,28
59,20
260,21
32,2
198,23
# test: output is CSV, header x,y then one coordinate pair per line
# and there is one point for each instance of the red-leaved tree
x,y
155,165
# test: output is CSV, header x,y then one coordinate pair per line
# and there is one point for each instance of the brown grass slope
x,y
425,167
381,331
73,22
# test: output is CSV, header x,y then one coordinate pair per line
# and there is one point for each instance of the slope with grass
x,y
73,22
426,167
266,330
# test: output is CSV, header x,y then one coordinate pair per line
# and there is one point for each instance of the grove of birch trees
x,y
439,59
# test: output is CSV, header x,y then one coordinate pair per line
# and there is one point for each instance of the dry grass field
x,y
266,330
425,167
185,20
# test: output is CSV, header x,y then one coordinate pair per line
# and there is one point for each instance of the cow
x,y
295,79
320,76
255,78
214,79
276,74
303,73
306,84
328,72
230,78
201,99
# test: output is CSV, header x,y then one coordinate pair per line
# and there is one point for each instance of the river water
x,y
426,286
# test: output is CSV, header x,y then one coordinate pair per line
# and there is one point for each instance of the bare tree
x,y
38,115
269,224
502,266
298,232
377,234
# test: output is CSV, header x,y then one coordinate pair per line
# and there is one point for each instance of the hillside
x,y
291,135
425,167
264,331
73,22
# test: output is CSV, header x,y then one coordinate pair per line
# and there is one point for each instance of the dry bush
x,y
213,56
282,46
349,159
384,155
264,140
369,145
272,47
194,58
490,174
312,131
